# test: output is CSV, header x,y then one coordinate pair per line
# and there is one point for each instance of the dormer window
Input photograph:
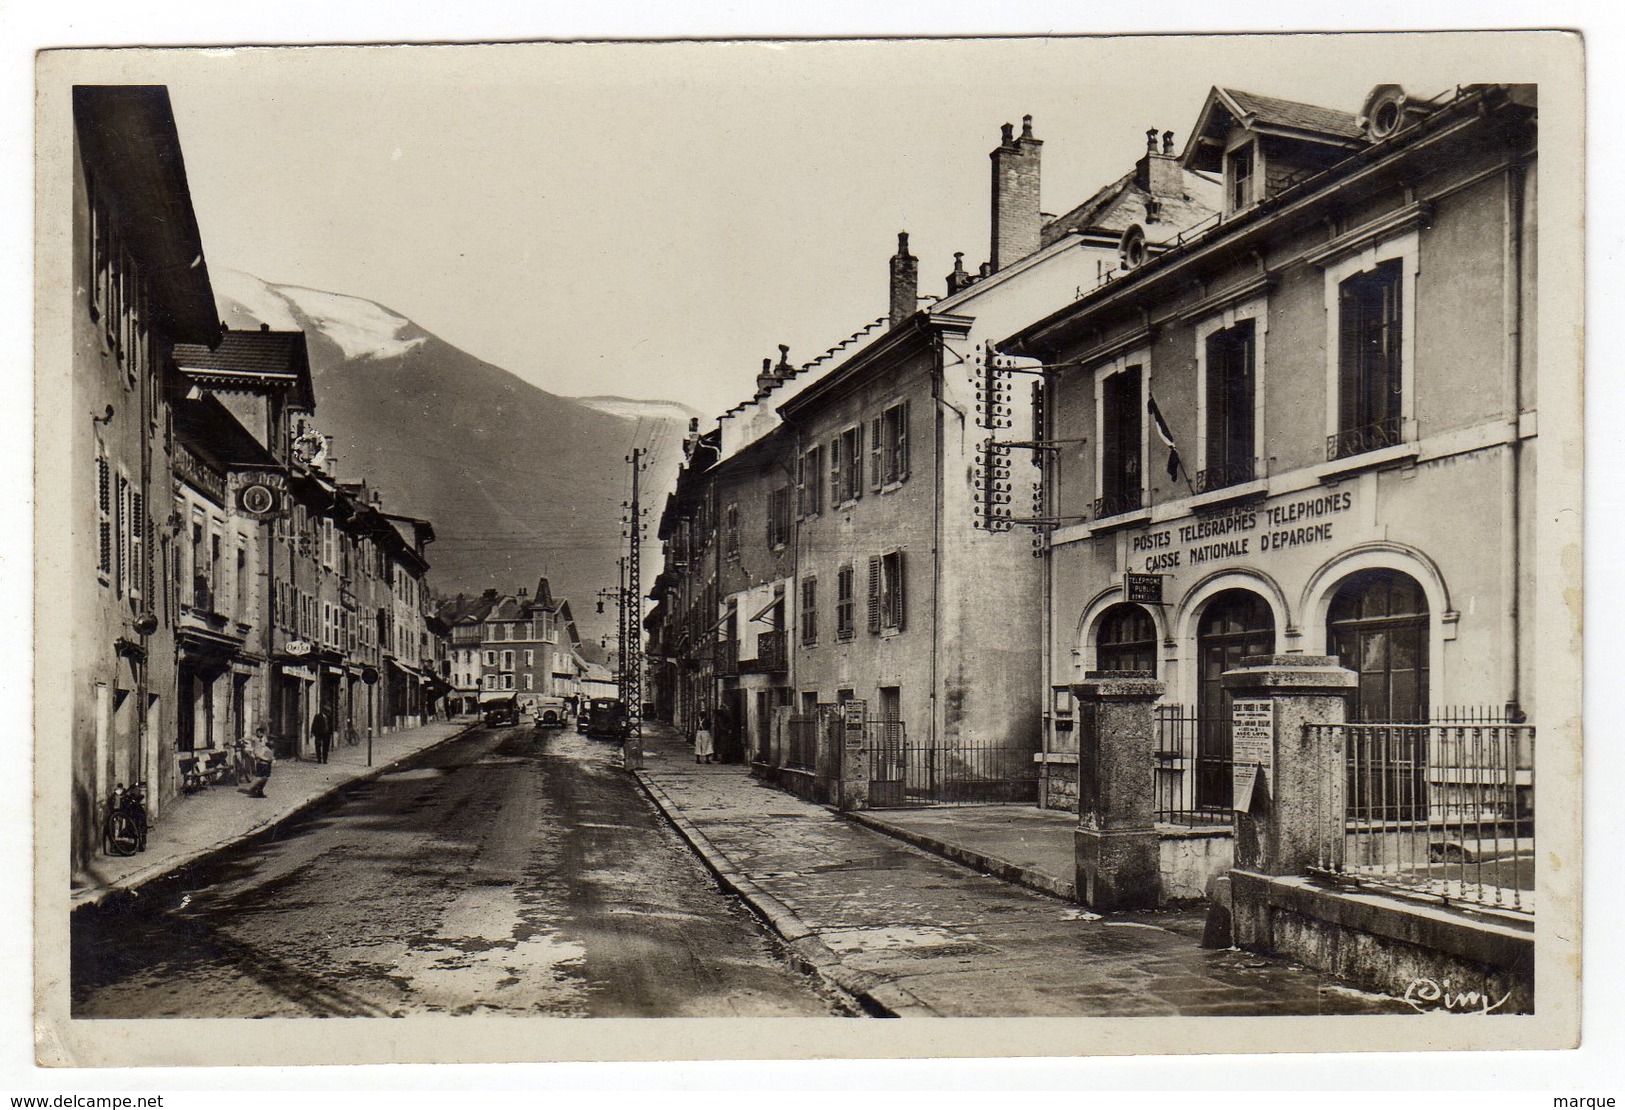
x,y
1239,178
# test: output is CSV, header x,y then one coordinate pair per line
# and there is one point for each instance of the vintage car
x,y
550,712
500,711
606,718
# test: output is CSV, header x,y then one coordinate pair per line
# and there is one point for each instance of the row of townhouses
x,y
1269,393
523,646
229,579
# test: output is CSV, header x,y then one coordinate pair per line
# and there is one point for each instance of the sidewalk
x,y
191,826
1017,843
907,933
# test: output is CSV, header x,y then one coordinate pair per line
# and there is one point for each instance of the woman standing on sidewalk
x,y
703,749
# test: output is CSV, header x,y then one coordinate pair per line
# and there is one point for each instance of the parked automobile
x,y
500,711
606,718
550,712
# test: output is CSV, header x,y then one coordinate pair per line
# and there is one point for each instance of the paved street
x,y
510,871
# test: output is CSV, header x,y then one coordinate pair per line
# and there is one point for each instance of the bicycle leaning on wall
x,y
124,830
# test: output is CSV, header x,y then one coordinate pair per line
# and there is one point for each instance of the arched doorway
x,y
1126,640
1377,624
1234,625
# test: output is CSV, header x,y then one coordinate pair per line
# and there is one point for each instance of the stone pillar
x,y
1115,845
1299,802
852,756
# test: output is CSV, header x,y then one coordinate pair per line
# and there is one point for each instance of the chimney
x,y
1158,172
265,327
765,380
960,278
1016,223
784,369
905,281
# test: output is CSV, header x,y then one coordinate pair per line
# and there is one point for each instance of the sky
x,y
652,220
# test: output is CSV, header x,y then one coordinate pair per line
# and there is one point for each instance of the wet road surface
x,y
509,871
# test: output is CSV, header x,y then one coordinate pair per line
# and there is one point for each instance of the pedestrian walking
x,y
264,759
321,730
704,751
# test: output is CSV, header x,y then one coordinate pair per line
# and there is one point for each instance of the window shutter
x,y
874,593
121,533
140,571
854,465
877,455
801,485
835,491
899,605
104,523
902,443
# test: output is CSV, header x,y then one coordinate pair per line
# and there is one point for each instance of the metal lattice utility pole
x,y
631,609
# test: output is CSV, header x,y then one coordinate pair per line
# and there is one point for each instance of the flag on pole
x,y
1167,437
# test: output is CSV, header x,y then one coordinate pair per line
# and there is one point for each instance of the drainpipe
x,y
1511,458
1046,662
937,494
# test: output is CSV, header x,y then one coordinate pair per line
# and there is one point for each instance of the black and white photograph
x,y
799,533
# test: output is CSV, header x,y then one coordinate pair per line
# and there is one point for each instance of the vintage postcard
x,y
1071,543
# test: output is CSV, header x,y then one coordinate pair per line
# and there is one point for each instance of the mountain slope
x,y
518,482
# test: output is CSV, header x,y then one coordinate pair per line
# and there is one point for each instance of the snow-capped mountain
x,y
639,410
517,481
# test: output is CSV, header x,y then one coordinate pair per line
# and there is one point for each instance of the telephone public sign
x,y
1145,589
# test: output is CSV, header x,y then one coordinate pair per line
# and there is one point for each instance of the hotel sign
x,y
199,474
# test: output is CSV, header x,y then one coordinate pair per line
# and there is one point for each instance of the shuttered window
x,y
778,517
846,467
810,483
888,451
809,611
845,625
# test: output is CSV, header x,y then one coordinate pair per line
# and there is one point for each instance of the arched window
x,y
1236,624
1378,626
1126,640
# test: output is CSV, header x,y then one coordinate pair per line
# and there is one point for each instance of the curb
x,y
976,861
876,995
95,896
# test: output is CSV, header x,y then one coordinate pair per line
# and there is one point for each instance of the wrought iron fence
x,y
905,773
1441,809
1191,772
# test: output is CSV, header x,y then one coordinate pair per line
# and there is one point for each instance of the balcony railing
x,y
1114,504
725,660
1367,437
772,654
1225,475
